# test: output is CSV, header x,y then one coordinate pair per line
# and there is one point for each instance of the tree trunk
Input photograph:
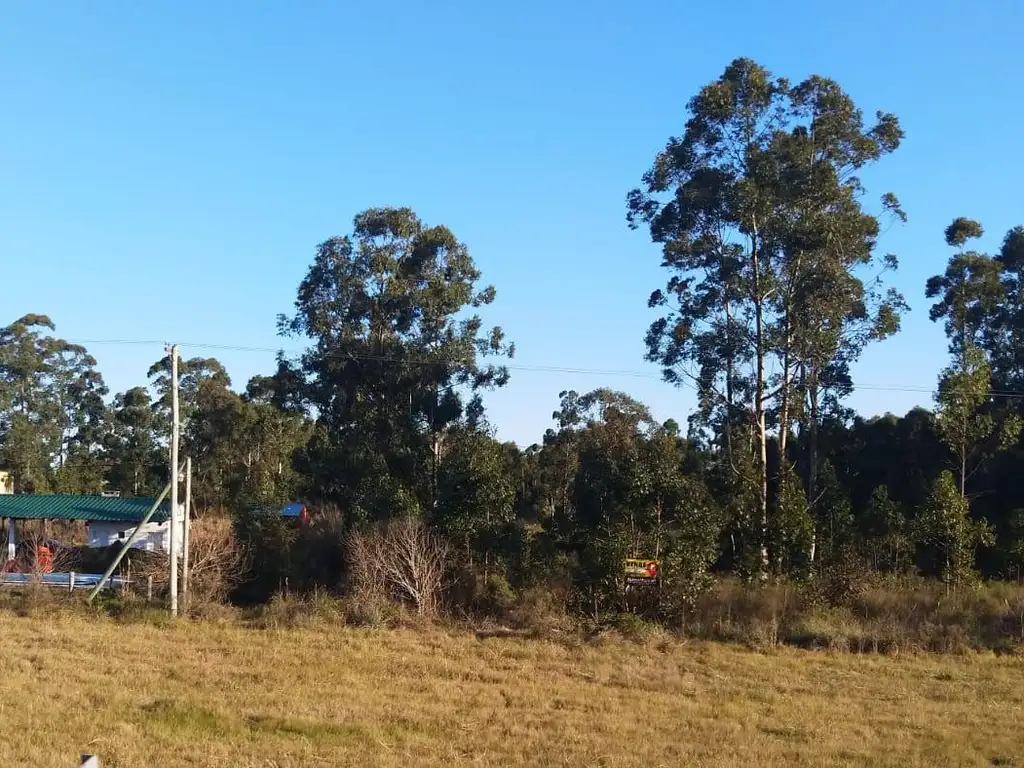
x,y
435,451
759,408
728,383
784,406
812,460
657,541
963,463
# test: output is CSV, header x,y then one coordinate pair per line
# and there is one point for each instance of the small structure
x,y
109,520
6,481
295,510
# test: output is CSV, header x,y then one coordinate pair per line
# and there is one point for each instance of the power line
x,y
371,358
610,372
113,342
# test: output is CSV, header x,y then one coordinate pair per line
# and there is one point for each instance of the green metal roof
x,y
100,508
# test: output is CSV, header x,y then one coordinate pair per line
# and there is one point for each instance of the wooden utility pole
x,y
188,524
175,430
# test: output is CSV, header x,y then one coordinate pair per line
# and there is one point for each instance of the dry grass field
x,y
206,693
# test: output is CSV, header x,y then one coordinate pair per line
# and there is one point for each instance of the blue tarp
x,y
292,509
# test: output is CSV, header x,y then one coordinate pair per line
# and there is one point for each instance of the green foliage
x,y
270,540
963,391
945,526
760,215
969,295
691,551
834,515
688,523
619,485
735,481
791,535
885,539
393,357
475,491
193,374
51,405
137,466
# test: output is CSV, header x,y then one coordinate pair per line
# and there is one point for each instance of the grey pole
x,y
175,430
188,525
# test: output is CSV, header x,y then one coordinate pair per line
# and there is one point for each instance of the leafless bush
x,y
217,562
404,560
144,566
367,570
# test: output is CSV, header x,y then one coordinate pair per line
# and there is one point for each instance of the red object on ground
x,y
44,560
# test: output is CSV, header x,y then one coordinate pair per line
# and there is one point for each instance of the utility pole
x,y
175,430
188,524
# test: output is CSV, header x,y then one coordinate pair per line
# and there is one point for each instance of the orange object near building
x,y
44,560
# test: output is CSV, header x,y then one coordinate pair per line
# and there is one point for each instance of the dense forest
x,y
774,287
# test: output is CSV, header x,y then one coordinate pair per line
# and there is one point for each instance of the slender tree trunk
x,y
964,425
632,536
728,383
784,407
812,461
759,408
657,540
435,450
963,464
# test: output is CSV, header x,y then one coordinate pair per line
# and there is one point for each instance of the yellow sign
x,y
641,571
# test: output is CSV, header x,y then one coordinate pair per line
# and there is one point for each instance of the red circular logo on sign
x,y
652,569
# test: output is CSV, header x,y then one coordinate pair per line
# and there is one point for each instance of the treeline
x,y
775,288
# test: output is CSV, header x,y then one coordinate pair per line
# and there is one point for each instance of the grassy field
x,y
200,694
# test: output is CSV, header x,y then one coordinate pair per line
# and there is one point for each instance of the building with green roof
x,y
109,519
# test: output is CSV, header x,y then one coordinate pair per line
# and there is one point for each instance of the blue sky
x,y
167,168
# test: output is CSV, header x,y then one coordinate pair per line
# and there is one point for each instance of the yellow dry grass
x,y
205,694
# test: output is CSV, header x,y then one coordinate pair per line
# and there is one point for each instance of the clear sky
x,y
167,168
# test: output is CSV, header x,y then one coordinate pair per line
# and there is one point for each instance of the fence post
x,y
149,589
71,582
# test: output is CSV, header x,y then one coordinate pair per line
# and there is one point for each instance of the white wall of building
x,y
155,537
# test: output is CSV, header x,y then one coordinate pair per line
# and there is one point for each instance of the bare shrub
x,y
367,571
404,561
145,567
217,562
